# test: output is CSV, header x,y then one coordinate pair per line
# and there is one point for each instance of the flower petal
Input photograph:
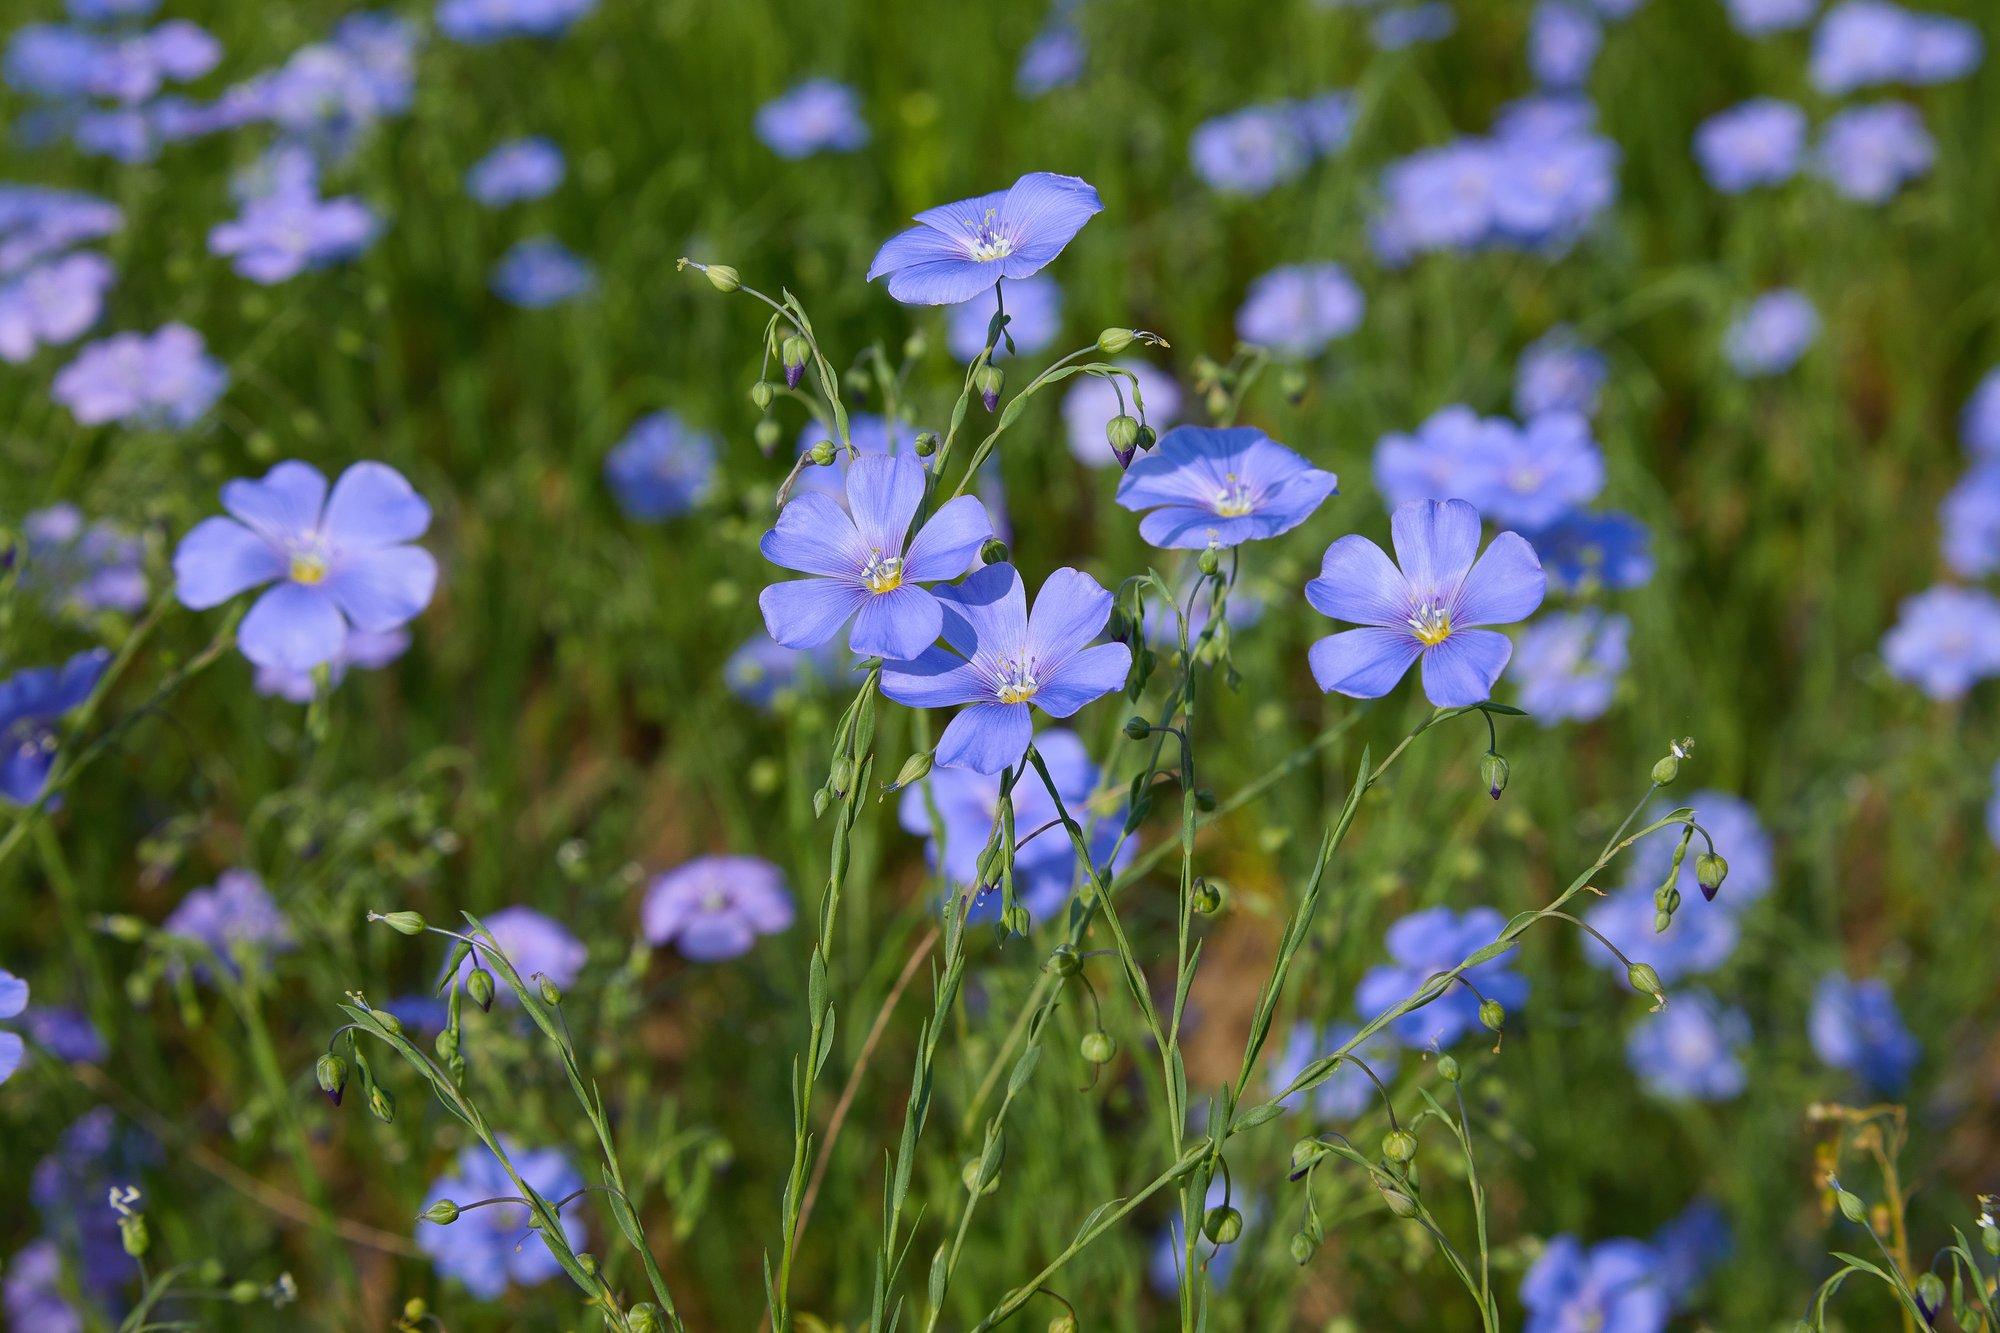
x,y
11,1048
292,627
896,625
1090,674
943,281
220,558
987,615
986,738
883,492
962,218
1362,663
1041,214
804,613
1461,670
372,505
286,504
1187,528
382,587
13,994
814,535
1506,584
1435,541
714,936
1359,583
1070,611
947,544
912,247
934,679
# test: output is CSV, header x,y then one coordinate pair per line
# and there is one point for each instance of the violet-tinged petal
x,y
1435,542
960,220
949,542
994,608
220,558
942,281
1362,663
13,994
11,1050
380,588
934,679
1359,583
292,626
986,738
1042,213
1083,677
372,505
883,492
1184,528
814,535
1461,670
1506,584
913,248
896,625
1070,611
712,937
805,613
285,504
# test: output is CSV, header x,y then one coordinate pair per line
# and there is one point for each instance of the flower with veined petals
x,y
1003,656
865,566
341,562
32,703
1209,487
1431,607
958,250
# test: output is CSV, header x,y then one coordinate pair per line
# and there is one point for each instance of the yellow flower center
x,y
1233,500
882,573
988,244
1017,682
308,567
1431,623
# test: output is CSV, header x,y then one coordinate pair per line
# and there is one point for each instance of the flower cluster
x,y
1258,148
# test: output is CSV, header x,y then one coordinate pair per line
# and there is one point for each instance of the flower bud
x,y
761,393
914,769
1851,1206
1222,1225
1646,981
381,1104
1448,1069
1015,920
1137,728
388,1022
1666,770
723,278
479,985
1062,1323
444,1212
1399,1146
915,346
1930,1297
927,443
988,381
1217,402
447,1045
243,1292
993,551
1113,341
404,923
1989,1237
822,453
1293,384
1709,872
1493,1014
1122,432
551,993
1493,773
856,382
1304,1153
1401,1204
1209,560
766,433
133,1235
1208,897
1302,1248
331,1071
645,1318
1097,1047
1064,961
793,354
1148,437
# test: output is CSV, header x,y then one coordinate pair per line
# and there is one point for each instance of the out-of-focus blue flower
x,y
341,563
1758,142
1584,553
1257,148
1432,941
1690,1245
282,234
1868,153
1297,309
661,468
817,116
64,64
1740,838
1854,1026
1003,659
1404,26
1758,18
1557,373
1434,607
1568,664
537,945
1444,460
37,223
1690,1050
1541,472
1945,640
1045,864
541,272
763,670
1771,333
1196,598
1206,488
68,1188
1970,517
490,1249
516,171
326,94
1563,41
66,1033
1610,1287
1034,318
959,250
1979,425
1700,938
1347,1092
158,380
1538,182
863,565
32,702
33,1293
13,1002
371,651
1093,400
476,22
235,919
1054,59
715,907
1867,43
51,304
81,567
110,11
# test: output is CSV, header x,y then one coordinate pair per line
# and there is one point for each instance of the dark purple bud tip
x,y
1124,456
793,374
990,398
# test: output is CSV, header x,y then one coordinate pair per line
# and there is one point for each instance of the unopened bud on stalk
x,y
822,453
1493,773
1217,402
1208,897
927,443
551,993
1401,1204
1015,920
766,433
331,1071
1851,1206
1122,432
1304,1153
1666,770
403,923
914,769
1204,799
1148,437
1097,1047
645,1318
793,354
479,985
1113,341
723,278
1399,1146
1448,1069
381,1104
244,1291
1293,384
761,393
388,1022
1209,560
1493,1014
1064,960
1709,872
1222,1225
1930,1297
444,1212
1302,1248
1647,982
1137,728
988,380
993,551
1062,1323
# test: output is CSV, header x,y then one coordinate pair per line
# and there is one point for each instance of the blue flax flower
x,y
1854,1026
1347,1092
38,223
1867,43
67,1033
1251,151
34,1294
1979,424
1034,318
1771,333
1970,517
1209,487
1445,459
81,567
341,562
1610,1287
762,670
1585,553
1760,18
32,702
1945,640
1002,658
1690,1051
51,304
1690,1245
162,379
13,1002
490,1249
1053,59
715,907
1423,944
1541,472
541,272
234,919
959,250
1868,153
817,116
1430,608
515,172
282,234
1297,309
1563,41
1758,142
1404,26
663,467
1739,836
361,648
1568,664
1093,400
865,565
476,22
536,944
1557,373
1700,938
